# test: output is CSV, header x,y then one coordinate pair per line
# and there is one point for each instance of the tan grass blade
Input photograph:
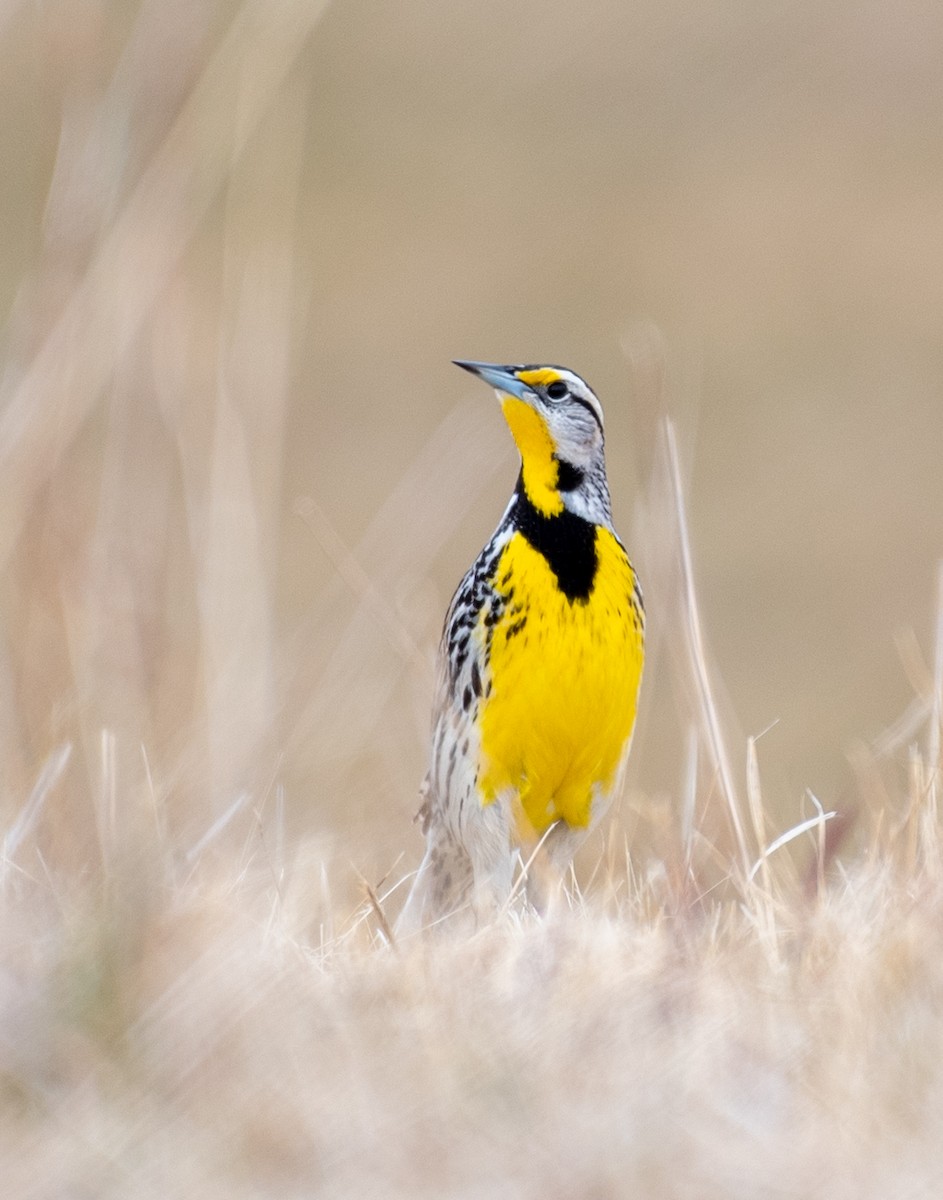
x,y
26,822
708,708
44,405
816,822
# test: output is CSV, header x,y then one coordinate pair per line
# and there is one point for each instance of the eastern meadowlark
x,y
539,664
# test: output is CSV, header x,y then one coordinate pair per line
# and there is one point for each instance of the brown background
x,y
240,477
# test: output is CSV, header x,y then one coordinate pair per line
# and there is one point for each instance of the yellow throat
x,y
540,468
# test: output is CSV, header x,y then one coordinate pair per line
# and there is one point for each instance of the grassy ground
x,y
234,1033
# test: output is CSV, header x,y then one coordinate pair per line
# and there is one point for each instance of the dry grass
x,y
174,1029
214,664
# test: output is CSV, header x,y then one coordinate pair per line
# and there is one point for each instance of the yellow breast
x,y
564,678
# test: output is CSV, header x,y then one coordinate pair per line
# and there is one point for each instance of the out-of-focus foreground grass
x,y
233,503
241,1037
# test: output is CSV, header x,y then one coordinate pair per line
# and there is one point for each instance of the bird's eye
x,y
557,390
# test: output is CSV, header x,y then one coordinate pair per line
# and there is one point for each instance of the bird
x,y
539,665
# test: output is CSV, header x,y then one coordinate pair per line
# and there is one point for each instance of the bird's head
x,y
557,424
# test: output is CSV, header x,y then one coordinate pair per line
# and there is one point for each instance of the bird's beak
x,y
503,379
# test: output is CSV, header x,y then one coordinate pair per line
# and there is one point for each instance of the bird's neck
x,y
565,540
539,467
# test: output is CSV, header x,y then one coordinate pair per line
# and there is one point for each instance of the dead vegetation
x,y
209,749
